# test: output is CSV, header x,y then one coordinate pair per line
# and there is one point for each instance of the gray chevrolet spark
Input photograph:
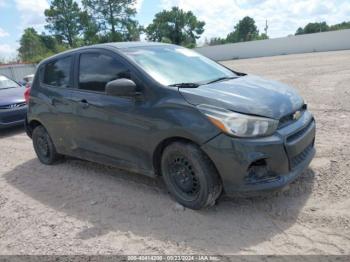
x,y
163,110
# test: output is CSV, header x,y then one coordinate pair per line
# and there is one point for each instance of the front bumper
x,y
12,117
249,166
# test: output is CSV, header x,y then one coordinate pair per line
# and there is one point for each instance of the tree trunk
x,y
111,18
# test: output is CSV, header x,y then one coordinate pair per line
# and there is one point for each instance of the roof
x,y
122,45
117,45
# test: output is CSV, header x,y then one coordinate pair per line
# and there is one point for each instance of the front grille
x,y
13,106
299,158
300,133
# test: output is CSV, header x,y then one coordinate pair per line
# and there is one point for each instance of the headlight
x,y
239,124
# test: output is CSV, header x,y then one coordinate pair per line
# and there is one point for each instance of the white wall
x,y
17,71
318,42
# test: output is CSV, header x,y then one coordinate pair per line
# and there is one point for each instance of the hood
x,y
249,95
11,96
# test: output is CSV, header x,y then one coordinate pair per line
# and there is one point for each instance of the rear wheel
x,y
190,175
44,147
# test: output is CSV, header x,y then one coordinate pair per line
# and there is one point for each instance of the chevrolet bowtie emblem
x,y
296,115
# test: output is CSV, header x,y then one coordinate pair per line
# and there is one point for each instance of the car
x,y
27,80
164,110
13,109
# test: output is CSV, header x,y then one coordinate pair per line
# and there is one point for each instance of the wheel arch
x,y
31,125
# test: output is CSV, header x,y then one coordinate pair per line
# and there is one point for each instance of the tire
x,y
44,147
190,176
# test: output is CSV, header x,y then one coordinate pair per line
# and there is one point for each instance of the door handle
x,y
84,104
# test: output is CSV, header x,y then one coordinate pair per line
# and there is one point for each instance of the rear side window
x,y
97,69
57,73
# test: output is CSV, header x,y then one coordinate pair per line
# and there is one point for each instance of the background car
x,y
13,108
27,80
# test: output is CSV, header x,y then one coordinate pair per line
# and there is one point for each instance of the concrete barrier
x,y
318,42
17,71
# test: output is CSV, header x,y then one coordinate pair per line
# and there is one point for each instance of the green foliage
x,y
113,19
90,29
232,37
299,31
321,27
341,26
313,28
217,41
64,20
262,36
245,30
175,26
34,47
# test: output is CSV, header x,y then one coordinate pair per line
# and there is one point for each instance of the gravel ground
x,y
78,207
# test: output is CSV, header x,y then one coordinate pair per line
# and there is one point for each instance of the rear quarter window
x,y
57,73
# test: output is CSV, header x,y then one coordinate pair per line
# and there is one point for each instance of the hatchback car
x,y
13,108
163,110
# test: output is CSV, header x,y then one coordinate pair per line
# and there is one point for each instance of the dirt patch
x,y
78,207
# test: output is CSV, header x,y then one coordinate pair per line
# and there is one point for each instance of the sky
x,y
220,16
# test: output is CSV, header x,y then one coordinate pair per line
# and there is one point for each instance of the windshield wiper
x,y
221,79
186,85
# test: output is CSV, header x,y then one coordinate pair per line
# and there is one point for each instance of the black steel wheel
x,y
183,176
43,146
190,175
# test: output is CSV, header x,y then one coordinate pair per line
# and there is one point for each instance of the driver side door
x,y
103,123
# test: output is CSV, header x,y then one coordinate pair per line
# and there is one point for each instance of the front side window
x,y
57,73
97,69
171,65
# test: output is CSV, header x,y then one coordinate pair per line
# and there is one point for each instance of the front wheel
x,y
44,147
190,175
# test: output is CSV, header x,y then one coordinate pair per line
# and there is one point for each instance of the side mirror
x,y
121,87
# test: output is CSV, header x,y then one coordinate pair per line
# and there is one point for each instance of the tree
x,y
299,31
343,25
31,47
91,29
321,27
64,20
232,37
177,26
34,47
217,41
262,36
133,31
52,43
313,28
114,17
245,30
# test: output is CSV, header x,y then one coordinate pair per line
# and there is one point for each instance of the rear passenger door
x,y
101,120
54,107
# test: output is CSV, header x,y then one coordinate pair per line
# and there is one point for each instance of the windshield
x,y
7,83
170,65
